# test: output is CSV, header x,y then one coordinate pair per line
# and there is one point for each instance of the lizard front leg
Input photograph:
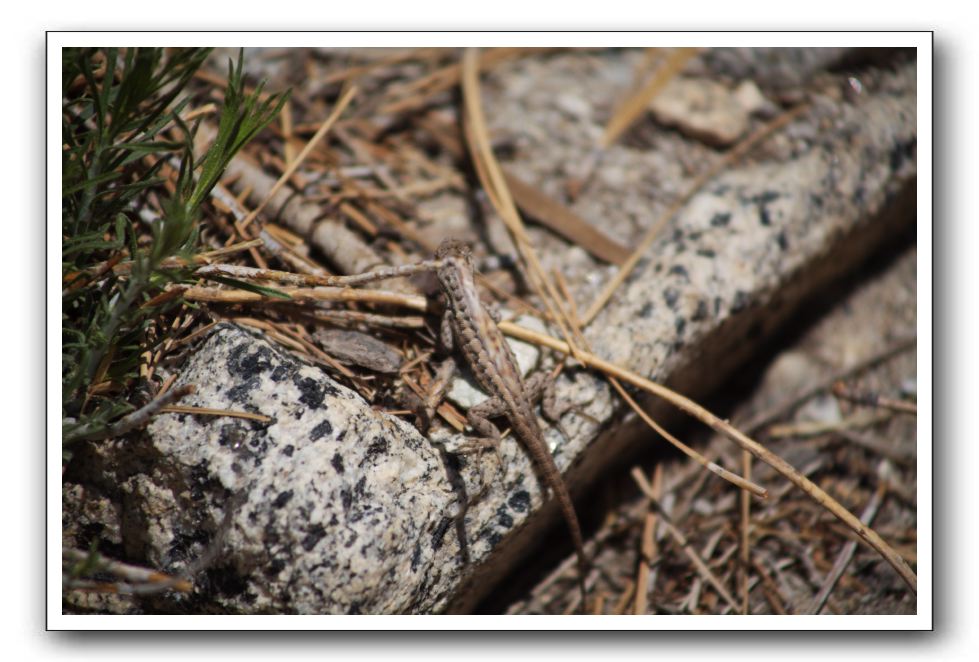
x,y
478,416
425,409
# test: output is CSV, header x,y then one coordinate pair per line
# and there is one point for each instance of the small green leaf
x,y
251,287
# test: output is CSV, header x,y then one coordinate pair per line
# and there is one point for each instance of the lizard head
x,y
454,249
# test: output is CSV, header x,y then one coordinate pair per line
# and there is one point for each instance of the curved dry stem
x,y
642,247
299,295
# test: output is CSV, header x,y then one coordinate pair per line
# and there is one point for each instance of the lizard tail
x,y
571,517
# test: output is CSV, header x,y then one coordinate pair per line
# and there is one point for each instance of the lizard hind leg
x,y
478,418
540,387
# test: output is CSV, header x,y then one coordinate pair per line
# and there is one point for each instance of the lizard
x,y
476,335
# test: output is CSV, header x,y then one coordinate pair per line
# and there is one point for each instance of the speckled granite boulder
x,y
331,507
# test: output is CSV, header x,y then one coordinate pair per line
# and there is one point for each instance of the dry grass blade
x,y
535,203
135,420
736,153
288,147
216,295
648,550
358,71
638,103
371,319
494,183
681,540
311,280
122,268
298,161
786,406
745,535
840,390
723,427
205,411
420,91
732,478
554,215
137,580
846,554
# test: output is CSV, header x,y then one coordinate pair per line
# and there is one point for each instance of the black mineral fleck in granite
x,y
226,582
313,392
321,430
241,392
439,533
346,499
706,252
762,200
280,373
765,197
416,557
647,310
679,270
259,445
670,296
337,463
680,324
503,517
520,501
282,499
701,312
200,479
289,450
741,300
182,545
764,216
378,446
276,566
248,365
313,535
720,219
783,241
901,152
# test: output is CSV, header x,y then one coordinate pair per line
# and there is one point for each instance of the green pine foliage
x,y
121,108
